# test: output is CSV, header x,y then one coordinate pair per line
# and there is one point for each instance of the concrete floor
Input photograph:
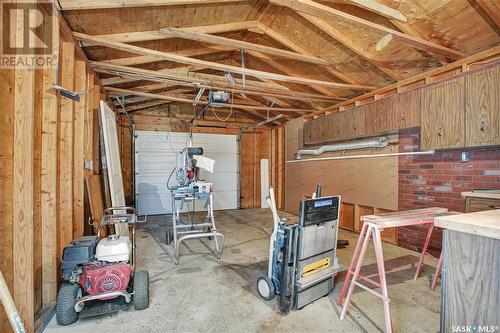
x,y
203,294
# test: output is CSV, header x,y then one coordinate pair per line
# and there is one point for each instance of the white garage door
x,y
155,160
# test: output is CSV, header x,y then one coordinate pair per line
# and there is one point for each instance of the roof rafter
x,y
207,38
376,7
262,28
108,4
196,62
350,44
328,13
143,36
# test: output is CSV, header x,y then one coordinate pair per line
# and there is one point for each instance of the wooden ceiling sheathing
x,y
351,49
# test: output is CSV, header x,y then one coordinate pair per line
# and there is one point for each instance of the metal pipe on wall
x,y
426,152
368,143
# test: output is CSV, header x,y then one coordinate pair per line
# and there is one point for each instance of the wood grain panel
x,y
443,123
482,108
471,272
294,137
408,108
381,116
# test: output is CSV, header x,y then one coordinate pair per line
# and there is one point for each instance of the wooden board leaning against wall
x,y
262,143
367,185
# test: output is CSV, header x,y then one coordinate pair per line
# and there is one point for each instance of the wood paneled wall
x,y
45,141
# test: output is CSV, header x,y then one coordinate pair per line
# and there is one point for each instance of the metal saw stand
x,y
179,231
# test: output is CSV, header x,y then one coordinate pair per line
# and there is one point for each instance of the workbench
x,y
470,287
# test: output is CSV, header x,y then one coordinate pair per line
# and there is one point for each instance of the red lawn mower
x,y
99,274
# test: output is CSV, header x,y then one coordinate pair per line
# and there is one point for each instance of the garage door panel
x,y
156,158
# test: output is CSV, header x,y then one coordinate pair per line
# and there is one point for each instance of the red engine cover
x,y
100,279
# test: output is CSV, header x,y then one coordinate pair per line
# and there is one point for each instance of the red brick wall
x,y
437,180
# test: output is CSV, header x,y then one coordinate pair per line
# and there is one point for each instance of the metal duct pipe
x,y
368,143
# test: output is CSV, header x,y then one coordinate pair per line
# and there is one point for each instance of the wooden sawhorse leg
x,y
438,271
354,259
424,251
422,256
377,240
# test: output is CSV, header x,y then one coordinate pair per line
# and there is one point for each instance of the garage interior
x,y
350,153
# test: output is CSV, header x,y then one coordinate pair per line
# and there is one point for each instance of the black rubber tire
x,y
270,285
168,237
141,290
65,304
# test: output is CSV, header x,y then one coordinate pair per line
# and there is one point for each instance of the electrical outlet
x,y
88,165
465,157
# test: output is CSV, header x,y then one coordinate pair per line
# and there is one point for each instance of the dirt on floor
x,y
204,294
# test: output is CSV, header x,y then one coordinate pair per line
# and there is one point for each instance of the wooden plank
x,y
88,125
331,14
377,8
49,187
139,60
95,129
207,38
7,84
23,195
65,148
142,36
78,148
196,62
108,4
247,178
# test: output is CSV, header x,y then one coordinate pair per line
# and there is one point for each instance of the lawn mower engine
x,y
99,279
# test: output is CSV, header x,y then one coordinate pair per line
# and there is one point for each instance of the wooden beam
x,y
108,4
143,36
376,7
292,95
190,101
350,44
330,14
23,202
196,62
206,38
78,148
186,74
65,145
48,183
133,61
193,81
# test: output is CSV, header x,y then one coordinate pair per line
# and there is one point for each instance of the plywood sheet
x,y
369,181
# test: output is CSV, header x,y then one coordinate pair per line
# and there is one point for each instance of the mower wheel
x,y
141,290
65,304
265,287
